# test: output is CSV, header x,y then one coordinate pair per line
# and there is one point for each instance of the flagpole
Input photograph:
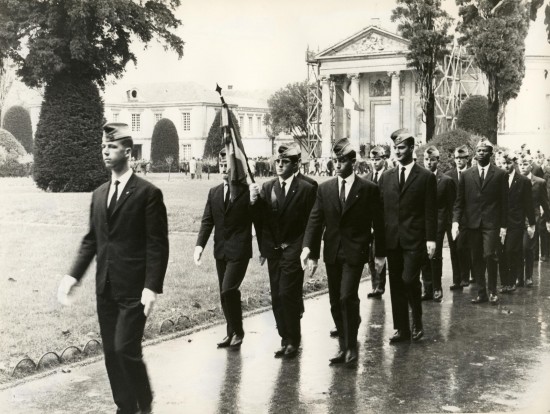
x,y
219,90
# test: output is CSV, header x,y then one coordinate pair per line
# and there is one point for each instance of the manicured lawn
x,y
40,233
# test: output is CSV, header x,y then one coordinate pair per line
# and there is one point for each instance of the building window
x,y
250,132
115,117
259,124
186,151
186,117
136,122
158,116
241,121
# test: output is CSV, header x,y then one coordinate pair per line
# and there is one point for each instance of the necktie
x,y
459,175
112,203
402,178
482,178
283,194
376,177
227,196
343,193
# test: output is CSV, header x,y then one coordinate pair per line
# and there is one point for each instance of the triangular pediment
x,y
370,41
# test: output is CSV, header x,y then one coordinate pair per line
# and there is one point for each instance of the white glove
x,y
430,247
312,266
502,236
304,256
548,226
254,189
454,230
65,289
379,263
148,298
531,231
197,255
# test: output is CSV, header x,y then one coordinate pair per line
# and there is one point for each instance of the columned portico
x,y
326,121
354,115
395,100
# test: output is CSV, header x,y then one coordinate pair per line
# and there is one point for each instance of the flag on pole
x,y
236,156
345,100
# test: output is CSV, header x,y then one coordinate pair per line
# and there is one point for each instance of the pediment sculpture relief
x,y
372,43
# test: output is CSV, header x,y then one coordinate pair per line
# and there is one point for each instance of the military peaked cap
x,y
401,135
378,152
290,150
462,151
115,131
431,151
342,147
484,142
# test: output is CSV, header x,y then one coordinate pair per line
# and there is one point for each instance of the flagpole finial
x,y
218,89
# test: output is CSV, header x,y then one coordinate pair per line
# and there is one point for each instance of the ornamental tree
x,y
18,121
164,144
425,25
494,33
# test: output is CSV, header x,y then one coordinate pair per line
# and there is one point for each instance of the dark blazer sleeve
x,y
430,208
157,241
378,224
544,203
87,250
458,209
207,222
315,226
504,201
528,202
450,198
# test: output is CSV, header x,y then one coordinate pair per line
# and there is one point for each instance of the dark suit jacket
x,y
233,227
307,179
284,224
410,215
446,196
520,203
537,170
131,246
349,228
484,206
540,198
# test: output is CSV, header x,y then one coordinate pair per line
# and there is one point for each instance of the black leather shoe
x,y
351,356
417,333
339,358
519,283
480,299
493,298
225,342
236,341
438,295
456,287
529,282
334,333
376,293
291,351
427,296
280,352
400,336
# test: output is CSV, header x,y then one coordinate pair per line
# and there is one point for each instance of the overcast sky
x,y
255,44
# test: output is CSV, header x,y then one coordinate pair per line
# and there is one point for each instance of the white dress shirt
x,y
122,181
408,169
511,178
349,182
486,168
288,182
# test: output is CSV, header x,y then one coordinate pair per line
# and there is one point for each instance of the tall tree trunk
x,y
492,115
430,116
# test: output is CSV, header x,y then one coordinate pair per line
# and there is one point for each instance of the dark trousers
x,y
460,256
544,239
122,322
404,270
484,247
378,280
286,279
530,246
230,276
343,286
432,269
510,260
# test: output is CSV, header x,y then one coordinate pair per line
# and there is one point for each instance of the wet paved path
x,y
478,358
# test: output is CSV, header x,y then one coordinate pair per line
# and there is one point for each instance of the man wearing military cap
x,y
432,270
409,197
482,205
520,210
227,210
346,211
129,235
378,159
460,252
540,201
282,209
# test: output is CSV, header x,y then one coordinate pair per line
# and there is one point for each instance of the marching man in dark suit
x,y
378,279
230,216
432,271
282,208
129,235
520,210
540,201
460,251
346,210
482,205
409,198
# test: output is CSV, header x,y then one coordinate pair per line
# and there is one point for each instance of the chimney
x,y
229,87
